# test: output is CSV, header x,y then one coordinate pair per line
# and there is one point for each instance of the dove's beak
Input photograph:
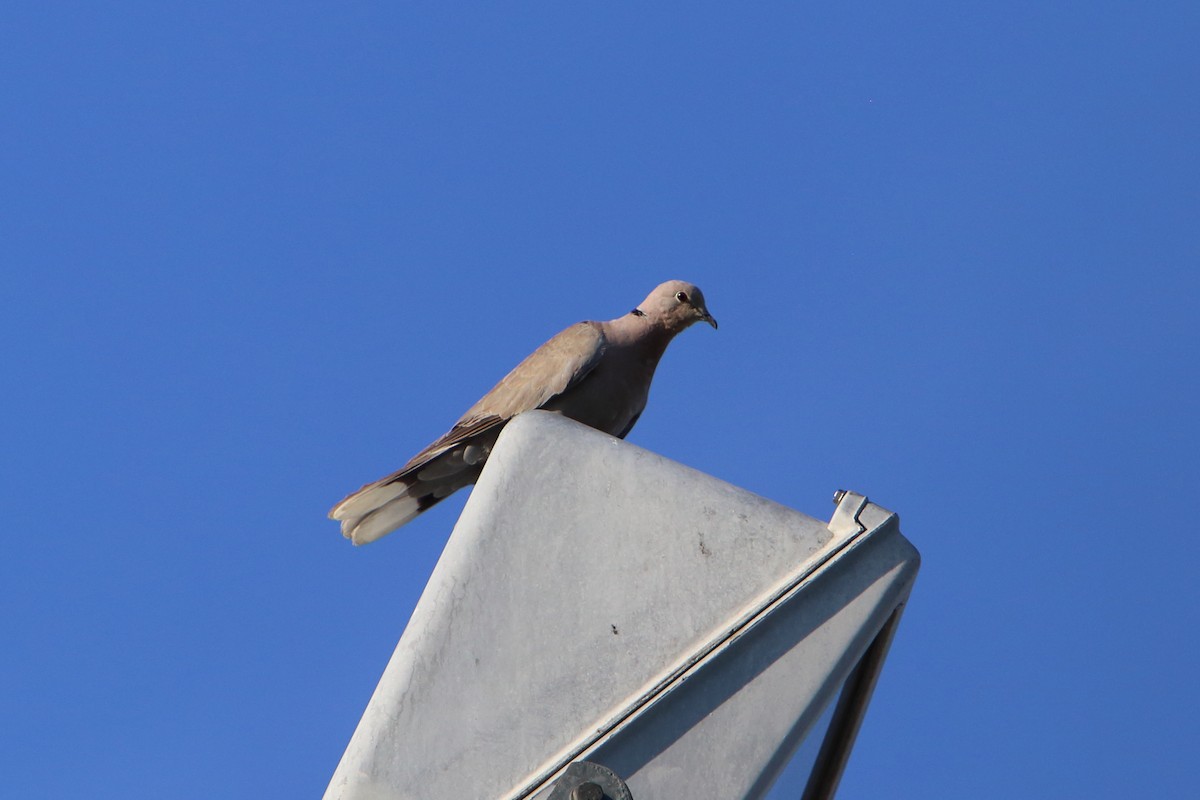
x,y
707,317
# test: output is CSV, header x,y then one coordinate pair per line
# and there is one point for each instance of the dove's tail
x,y
381,507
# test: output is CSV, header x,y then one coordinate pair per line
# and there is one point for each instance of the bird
x,y
596,373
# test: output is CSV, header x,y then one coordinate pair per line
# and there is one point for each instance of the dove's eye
x,y
681,297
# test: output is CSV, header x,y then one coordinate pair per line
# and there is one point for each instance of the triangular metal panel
x,y
586,584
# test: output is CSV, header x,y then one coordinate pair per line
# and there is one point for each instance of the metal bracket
x,y
845,517
587,780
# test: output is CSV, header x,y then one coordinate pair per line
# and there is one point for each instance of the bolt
x,y
838,495
587,791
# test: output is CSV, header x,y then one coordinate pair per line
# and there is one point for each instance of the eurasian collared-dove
x,y
597,373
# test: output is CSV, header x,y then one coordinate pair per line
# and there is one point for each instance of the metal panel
x,y
597,599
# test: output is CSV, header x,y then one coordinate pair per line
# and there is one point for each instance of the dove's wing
x,y
455,459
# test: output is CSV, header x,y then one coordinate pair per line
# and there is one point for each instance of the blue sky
x,y
255,255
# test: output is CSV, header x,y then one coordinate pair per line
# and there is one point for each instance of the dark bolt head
x,y
587,791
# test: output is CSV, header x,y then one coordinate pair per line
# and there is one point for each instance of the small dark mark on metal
x,y
614,630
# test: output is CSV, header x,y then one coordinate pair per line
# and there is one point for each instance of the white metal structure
x,y
597,602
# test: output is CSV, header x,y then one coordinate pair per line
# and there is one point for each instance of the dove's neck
x,y
639,334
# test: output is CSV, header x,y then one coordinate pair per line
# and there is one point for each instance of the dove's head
x,y
676,305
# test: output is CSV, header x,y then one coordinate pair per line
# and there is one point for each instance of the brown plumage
x,y
597,373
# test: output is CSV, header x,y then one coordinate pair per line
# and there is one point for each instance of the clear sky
x,y
257,254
